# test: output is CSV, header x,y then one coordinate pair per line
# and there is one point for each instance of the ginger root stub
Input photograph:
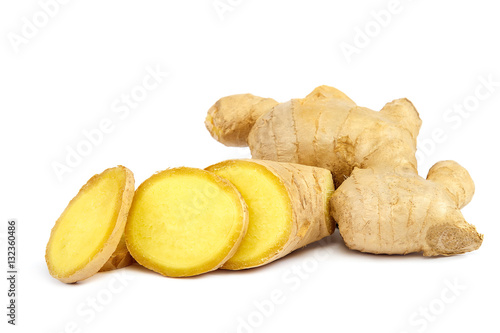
x,y
185,222
232,128
288,205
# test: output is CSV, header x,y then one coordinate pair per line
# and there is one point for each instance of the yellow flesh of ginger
x,y
269,209
85,226
185,222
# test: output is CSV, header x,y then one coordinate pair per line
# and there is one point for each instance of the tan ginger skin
x,y
308,190
231,128
381,205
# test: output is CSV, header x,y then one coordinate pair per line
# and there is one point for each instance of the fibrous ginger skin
x,y
119,259
380,201
230,119
335,134
307,189
325,129
397,212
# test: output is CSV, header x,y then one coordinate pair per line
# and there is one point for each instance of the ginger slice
x,y
185,222
288,206
88,232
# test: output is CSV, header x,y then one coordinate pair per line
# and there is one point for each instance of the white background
x,y
70,73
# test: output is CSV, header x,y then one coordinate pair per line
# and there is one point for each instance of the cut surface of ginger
x,y
185,222
269,207
90,228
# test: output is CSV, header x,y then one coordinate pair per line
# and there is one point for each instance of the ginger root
x,y
232,128
185,222
288,206
381,205
382,211
326,129
87,237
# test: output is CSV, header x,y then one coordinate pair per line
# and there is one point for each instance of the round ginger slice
x,y
185,222
89,230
